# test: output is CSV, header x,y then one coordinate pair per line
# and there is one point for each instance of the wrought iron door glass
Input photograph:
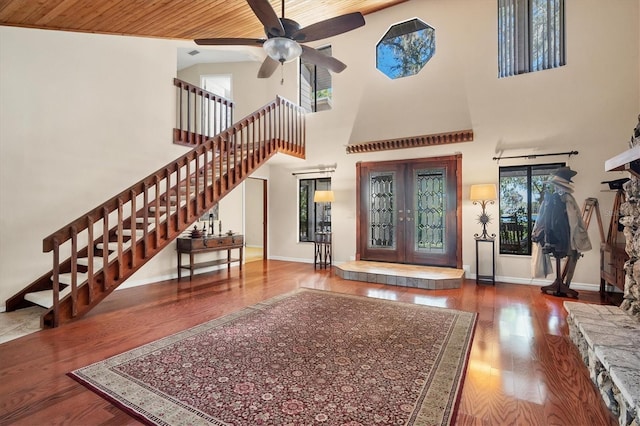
x,y
430,201
381,211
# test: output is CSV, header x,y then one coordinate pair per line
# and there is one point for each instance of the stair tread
x,y
97,262
65,278
152,220
163,208
44,298
127,232
113,245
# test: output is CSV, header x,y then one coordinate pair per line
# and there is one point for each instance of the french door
x,y
409,211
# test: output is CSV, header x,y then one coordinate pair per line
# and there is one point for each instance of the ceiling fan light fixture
x,y
282,49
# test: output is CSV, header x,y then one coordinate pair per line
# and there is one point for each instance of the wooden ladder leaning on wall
x,y
590,205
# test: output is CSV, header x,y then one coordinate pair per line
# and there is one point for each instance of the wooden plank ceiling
x,y
174,19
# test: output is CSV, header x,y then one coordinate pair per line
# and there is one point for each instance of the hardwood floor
x,y
523,369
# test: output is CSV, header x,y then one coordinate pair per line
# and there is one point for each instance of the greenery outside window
x,y
315,85
522,190
312,217
531,36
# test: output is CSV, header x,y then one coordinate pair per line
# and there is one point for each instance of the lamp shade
x,y
323,197
486,191
282,49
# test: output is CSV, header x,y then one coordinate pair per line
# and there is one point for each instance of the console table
x,y
211,243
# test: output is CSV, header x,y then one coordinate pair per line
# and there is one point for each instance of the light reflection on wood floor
x,y
523,369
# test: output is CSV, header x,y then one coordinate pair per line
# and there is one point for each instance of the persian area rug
x,y
308,357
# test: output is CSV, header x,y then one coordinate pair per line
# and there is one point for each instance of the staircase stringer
x,y
165,203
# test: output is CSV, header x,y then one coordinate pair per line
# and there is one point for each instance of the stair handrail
x,y
210,170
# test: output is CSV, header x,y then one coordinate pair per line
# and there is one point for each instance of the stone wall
x,y
630,210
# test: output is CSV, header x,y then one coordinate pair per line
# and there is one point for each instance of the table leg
x,y
179,266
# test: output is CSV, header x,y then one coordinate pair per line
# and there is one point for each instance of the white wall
x,y
83,116
589,105
254,216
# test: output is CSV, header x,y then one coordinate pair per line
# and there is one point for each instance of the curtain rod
x,y
532,156
313,172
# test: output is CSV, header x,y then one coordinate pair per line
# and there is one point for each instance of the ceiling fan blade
x,y
229,41
329,27
268,17
268,67
320,59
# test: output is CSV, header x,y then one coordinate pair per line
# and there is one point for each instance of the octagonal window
x,y
405,48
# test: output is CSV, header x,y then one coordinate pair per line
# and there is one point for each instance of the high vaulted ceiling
x,y
174,19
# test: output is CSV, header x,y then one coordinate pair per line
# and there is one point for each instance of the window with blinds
x,y
531,36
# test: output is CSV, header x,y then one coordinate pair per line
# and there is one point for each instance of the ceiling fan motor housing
x,y
290,27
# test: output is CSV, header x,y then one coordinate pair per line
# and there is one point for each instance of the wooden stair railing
x,y
98,251
201,114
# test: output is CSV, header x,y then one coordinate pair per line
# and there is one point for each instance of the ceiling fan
x,y
283,38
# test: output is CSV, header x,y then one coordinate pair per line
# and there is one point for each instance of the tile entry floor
x,y
19,323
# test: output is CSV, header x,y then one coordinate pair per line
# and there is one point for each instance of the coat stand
x,y
559,287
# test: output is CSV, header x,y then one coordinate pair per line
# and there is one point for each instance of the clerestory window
x,y
531,36
315,85
405,48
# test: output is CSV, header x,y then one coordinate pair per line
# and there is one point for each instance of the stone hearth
x,y
608,340
608,337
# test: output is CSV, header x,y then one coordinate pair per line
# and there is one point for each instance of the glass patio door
x,y
408,211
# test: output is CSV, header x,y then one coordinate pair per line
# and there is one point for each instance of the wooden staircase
x,y
95,253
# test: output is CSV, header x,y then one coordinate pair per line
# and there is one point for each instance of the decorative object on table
x,y
196,233
326,198
483,194
260,365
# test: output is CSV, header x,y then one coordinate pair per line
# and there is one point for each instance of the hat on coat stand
x,y
561,178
